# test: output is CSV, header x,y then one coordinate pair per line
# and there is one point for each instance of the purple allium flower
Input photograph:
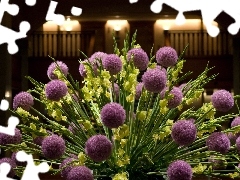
x,y
139,57
98,55
82,69
113,115
66,166
184,132
116,90
112,63
11,163
53,147
162,69
18,163
235,122
176,99
222,100
38,140
55,90
238,144
154,80
98,148
218,141
216,163
23,100
139,88
179,170
80,173
184,88
8,139
166,56
232,137
53,66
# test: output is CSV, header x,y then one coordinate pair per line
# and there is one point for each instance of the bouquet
x,y
118,124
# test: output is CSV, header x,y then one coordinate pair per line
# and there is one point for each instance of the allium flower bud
x,y
80,173
166,56
218,141
154,80
176,99
66,166
11,163
23,100
138,90
222,100
55,90
139,57
8,139
53,66
179,170
53,147
113,115
98,148
184,132
112,63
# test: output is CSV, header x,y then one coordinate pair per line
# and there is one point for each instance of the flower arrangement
x,y
116,127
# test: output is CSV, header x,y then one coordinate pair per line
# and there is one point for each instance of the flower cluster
x,y
119,124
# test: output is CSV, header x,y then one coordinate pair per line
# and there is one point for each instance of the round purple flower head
x,y
98,148
218,141
53,147
238,144
116,90
184,132
235,122
13,165
232,137
18,163
217,163
139,57
38,140
53,66
166,56
162,69
113,115
66,166
154,80
8,139
176,99
80,173
139,88
112,63
82,69
55,90
184,88
222,100
23,100
98,55
179,170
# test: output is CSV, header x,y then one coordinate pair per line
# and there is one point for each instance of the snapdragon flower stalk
x,y
117,127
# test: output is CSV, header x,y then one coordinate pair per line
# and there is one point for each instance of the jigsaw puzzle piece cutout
x,y
4,170
10,129
76,11
30,2
9,36
51,16
4,105
31,171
